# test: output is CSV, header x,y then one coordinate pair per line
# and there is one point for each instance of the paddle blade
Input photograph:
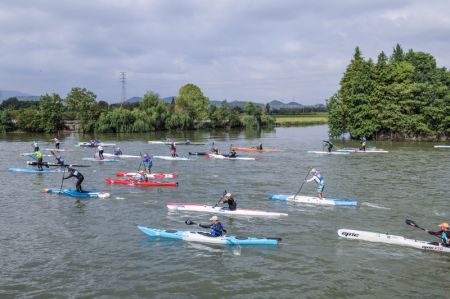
x,y
189,222
410,222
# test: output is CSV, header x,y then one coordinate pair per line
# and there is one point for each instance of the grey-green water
x,y
52,248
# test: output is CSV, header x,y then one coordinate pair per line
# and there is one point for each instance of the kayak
x,y
357,150
391,239
220,210
33,170
329,153
315,200
34,163
104,160
253,149
148,175
120,156
204,237
88,144
198,154
176,143
170,158
442,146
75,193
223,157
139,183
31,154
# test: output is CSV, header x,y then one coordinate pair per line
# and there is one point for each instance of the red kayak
x,y
148,175
140,183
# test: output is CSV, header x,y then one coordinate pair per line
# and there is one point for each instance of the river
x,y
52,247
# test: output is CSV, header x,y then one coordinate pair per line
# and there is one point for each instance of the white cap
x,y
228,195
313,170
214,218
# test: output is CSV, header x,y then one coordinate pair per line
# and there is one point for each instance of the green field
x,y
301,119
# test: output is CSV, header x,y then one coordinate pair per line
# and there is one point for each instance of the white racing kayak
x,y
314,200
391,239
328,153
222,157
120,156
88,144
173,206
170,158
442,146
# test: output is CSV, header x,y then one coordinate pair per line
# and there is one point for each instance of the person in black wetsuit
x,y
328,145
232,153
229,199
75,173
59,160
259,147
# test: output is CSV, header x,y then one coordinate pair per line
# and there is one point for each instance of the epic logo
x,y
348,234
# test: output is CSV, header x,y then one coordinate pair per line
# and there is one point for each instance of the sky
x,y
289,50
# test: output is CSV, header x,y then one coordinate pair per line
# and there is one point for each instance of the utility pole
x,y
123,80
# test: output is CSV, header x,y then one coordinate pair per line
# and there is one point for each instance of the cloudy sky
x,y
237,50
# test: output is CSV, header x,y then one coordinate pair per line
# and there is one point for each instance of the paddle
x,y
62,181
190,222
142,162
224,192
304,180
413,224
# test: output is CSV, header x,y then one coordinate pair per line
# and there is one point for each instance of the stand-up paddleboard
x,y
57,150
148,175
173,206
314,200
32,170
75,193
31,154
170,158
204,237
121,156
357,150
223,157
328,153
391,239
442,146
104,160
253,149
88,144
176,142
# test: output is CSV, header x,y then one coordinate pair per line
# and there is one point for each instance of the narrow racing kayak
x,y
170,158
104,160
328,153
204,237
148,175
314,200
31,154
88,144
121,156
173,206
442,146
139,183
253,149
75,193
223,157
391,239
357,150
32,170
176,142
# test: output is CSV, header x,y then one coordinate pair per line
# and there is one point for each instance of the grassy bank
x,y
301,119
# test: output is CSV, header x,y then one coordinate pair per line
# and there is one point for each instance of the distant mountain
x,y
6,94
168,100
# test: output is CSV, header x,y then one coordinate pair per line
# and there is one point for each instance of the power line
x,y
123,80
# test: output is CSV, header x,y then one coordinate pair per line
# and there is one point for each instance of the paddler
x,y
259,147
173,150
59,160
443,234
318,178
148,163
75,173
229,199
140,176
39,157
100,152
233,153
57,142
363,143
36,146
118,152
328,145
216,227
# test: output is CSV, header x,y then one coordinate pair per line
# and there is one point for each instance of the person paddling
x,y
59,160
35,146
100,152
118,152
75,173
363,143
318,178
259,147
57,142
39,157
173,150
229,199
233,153
328,145
216,227
443,234
148,163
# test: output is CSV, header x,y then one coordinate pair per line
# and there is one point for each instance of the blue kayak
x,y
75,193
33,170
315,200
204,237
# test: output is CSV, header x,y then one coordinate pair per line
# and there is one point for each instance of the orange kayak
x,y
252,149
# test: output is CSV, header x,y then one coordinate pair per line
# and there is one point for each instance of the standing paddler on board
x,y
173,150
100,152
57,142
148,163
318,178
75,173
363,143
328,145
39,157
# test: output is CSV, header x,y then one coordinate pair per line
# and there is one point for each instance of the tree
x,y
83,103
51,110
192,102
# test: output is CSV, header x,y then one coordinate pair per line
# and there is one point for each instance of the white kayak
x,y
173,206
88,144
222,157
328,153
442,146
314,200
357,150
170,158
176,142
120,156
391,239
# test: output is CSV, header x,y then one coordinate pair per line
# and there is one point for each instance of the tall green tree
x,y
83,103
51,109
192,102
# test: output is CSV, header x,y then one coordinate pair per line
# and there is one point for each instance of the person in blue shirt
x,y
318,178
118,151
148,163
216,227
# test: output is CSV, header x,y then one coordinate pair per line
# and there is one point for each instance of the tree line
x,y
404,96
189,110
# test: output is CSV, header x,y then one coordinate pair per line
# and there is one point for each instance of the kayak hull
x,y
75,193
31,170
357,150
148,175
442,146
328,153
391,239
222,157
121,156
220,210
34,163
143,184
252,149
170,158
314,200
98,160
203,237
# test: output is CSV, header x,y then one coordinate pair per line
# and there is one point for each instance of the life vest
x,y
216,229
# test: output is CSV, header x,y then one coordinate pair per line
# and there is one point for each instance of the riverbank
x,y
319,118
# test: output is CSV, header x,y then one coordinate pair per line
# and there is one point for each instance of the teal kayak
x,y
32,170
75,193
204,237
